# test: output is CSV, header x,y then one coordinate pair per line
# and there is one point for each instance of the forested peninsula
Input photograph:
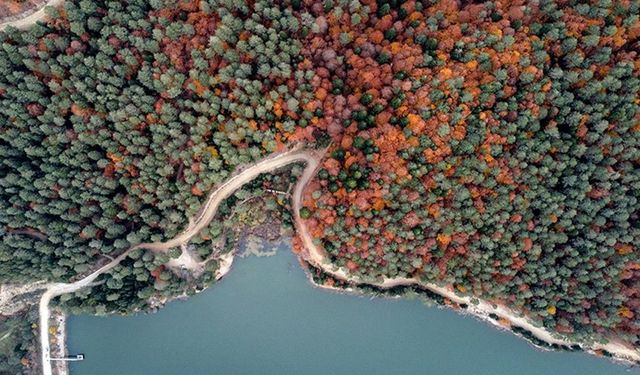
x,y
490,148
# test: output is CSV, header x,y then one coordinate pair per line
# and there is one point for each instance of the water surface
x,y
265,318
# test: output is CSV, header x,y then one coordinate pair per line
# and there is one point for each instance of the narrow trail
x,y
31,18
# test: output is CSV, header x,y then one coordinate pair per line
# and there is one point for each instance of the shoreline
x,y
359,289
315,257
206,213
226,261
62,368
497,310
58,320
482,311
464,310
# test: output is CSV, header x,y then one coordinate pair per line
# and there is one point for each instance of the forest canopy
x,y
491,146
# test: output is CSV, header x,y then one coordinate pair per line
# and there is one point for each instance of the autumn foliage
x,y
490,146
474,144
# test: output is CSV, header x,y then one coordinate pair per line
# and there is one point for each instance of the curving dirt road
x,y
206,214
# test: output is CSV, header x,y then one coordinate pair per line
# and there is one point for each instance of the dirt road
x,y
205,215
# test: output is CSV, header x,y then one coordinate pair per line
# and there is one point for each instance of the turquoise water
x,y
265,318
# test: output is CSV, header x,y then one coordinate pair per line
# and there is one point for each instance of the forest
x,y
17,341
488,145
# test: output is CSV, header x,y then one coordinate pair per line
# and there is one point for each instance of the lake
x,y
265,318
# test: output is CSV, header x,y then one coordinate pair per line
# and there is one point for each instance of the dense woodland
x,y
492,146
17,343
111,135
489,146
